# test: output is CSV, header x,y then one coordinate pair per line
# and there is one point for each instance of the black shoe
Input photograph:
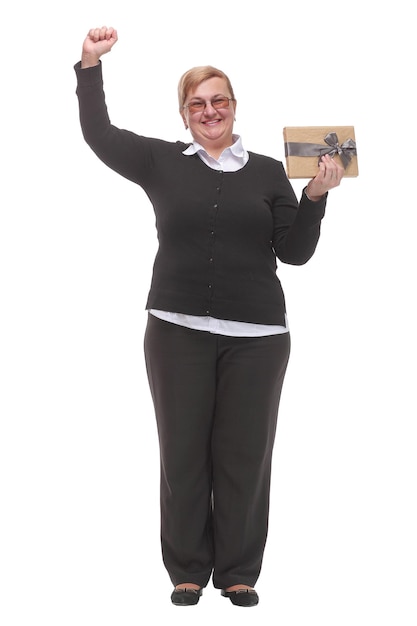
x,y
242,597
185,597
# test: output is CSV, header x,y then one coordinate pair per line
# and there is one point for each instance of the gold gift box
x,y
304,146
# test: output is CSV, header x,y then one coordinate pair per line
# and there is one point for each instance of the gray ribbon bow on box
x,y
346,150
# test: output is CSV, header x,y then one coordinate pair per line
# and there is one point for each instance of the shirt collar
x,y
236,148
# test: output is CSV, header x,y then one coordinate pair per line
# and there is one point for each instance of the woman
x,y
217,341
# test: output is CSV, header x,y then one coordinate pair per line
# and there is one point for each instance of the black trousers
x,y
216,403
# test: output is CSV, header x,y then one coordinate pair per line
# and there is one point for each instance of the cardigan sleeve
x,y
296,224
130,155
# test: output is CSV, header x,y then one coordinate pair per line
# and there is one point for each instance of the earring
x,y
185,126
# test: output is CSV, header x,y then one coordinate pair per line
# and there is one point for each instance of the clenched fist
x,y
99,41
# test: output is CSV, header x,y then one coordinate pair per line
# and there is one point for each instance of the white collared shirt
x,y
231,159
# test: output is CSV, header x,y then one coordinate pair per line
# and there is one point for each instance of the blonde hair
x,y
196,75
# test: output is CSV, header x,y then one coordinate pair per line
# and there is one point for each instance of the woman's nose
x,y
209,109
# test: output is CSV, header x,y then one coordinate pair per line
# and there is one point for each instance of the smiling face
x,y
212,128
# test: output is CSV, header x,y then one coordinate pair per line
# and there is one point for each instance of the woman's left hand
x,y
329,176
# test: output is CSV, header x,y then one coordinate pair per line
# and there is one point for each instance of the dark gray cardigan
x,y
219,233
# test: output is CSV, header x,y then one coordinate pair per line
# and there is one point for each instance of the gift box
x,y
305,145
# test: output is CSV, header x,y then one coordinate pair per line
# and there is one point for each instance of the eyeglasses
x,y
217,103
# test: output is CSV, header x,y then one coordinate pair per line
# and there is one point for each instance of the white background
x,y
79,524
